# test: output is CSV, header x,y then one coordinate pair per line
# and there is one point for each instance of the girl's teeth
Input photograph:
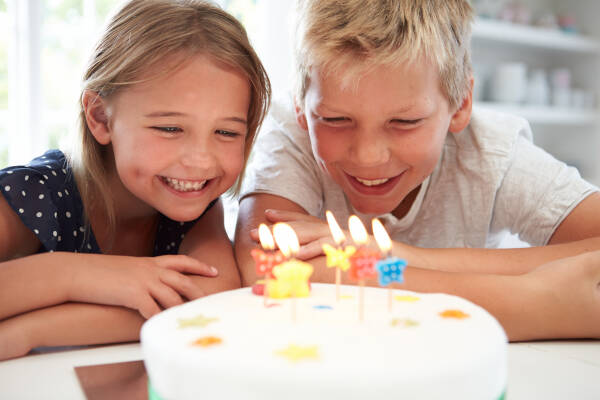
x,y
184,186
373,182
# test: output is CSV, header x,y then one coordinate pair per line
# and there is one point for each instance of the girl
x,y
94,243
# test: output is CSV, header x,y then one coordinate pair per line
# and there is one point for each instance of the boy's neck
x,y
404,206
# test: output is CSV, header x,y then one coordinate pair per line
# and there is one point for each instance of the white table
x,y
537,370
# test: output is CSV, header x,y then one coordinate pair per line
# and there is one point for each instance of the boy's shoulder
x,y
491,133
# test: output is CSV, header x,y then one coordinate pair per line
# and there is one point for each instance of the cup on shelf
x,y
538,89
509,83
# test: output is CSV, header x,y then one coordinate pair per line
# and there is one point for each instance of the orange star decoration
x,y
199,320
339,258
207,341
297,353
407,298
291,280
454,314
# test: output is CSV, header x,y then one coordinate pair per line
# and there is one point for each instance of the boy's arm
x,y
68,324
558,300
208,242
578,233
250,215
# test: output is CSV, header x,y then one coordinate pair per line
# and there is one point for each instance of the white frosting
x,y
440,358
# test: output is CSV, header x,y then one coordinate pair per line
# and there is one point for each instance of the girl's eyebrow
x,y
179,114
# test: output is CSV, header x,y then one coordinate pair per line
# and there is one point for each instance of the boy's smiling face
x,y
381,137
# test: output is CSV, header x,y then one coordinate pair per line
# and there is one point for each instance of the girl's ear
x,y
462,116
300,116
96,116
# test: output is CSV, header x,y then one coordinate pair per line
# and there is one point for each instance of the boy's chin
x,y
372,209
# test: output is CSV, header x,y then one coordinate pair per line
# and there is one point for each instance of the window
x,y
4,39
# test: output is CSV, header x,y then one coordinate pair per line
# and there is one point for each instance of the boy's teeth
x,y
184,186
373,182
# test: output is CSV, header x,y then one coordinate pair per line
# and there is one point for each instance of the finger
x,y
184,285
165,295
190,265
308,232
148,307
273,215
311,250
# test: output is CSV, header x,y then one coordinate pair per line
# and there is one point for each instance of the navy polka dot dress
x,y
44,195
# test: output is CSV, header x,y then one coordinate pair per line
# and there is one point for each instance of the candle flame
x,y
286,239
336,231
265,237
381,236
357,230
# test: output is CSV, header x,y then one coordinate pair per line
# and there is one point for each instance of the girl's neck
x,y
136,222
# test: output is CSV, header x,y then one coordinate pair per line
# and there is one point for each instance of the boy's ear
x,y
300,116
96,116
462,115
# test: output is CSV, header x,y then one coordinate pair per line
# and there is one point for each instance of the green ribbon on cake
x,y
152,395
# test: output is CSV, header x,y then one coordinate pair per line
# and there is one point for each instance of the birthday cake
x,y
233,345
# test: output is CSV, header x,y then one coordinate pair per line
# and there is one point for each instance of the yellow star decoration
x,y
296,353
407,298
200,320
292,280
338,257
404,322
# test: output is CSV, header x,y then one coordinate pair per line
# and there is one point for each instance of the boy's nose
x,y
370,149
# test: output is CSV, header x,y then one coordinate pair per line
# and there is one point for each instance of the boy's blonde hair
x,y
140,35
360,34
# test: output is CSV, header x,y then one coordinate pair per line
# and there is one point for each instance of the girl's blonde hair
x,y
360,34
140,34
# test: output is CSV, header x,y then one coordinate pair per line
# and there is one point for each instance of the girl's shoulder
x,y
44,195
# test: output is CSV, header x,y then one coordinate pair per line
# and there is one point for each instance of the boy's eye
x,y
167,129
227,134
406,122
334,120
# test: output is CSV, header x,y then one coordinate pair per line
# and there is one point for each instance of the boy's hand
x,y
142,283
312,232
570,294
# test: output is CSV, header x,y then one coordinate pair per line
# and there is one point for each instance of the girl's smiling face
x,y
178,139
380,138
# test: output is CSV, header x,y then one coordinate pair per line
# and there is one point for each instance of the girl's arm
x,y
68,324
208,242
32,281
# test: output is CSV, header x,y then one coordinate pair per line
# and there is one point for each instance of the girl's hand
x,y
570,296
312,232
146,284
14,340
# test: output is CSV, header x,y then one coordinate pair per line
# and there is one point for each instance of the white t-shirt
x,y
490,180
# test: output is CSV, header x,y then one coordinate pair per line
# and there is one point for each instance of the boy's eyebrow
x,y
180,114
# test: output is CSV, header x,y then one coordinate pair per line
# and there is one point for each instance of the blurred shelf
x,y
510,33
545,115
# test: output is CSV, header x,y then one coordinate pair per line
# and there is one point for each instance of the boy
x,y
381,125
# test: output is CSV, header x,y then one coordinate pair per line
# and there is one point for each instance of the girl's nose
x,y
198,152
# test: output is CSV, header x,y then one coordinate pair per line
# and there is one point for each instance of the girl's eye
x,y
227,134
167,129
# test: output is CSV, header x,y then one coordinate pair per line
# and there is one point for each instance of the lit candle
x,y
267,258
363,260
391,269
292,275
338,256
